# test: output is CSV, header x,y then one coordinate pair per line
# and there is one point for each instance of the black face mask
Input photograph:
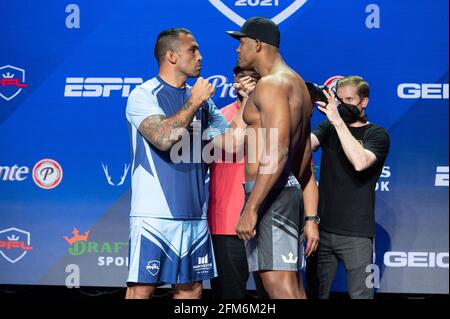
x,y
350,113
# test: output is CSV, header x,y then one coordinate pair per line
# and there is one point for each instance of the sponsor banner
x,y
65,169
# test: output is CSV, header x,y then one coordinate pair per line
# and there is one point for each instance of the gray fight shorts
x,y
278,244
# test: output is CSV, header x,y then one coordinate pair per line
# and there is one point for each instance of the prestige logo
x,y
47,173
279,10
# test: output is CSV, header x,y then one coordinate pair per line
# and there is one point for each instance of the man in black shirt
x,y
353,154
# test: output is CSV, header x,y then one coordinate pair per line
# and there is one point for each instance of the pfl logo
x,y
153,267
240,10
14,244
12,81
47,173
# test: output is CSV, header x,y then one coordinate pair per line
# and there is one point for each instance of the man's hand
x,y
311,231
201,91
246,227
238,119
330,109
245,86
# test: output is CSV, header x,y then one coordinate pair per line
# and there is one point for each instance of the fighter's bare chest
x,y
252,115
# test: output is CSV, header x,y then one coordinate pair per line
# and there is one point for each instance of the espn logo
x,y
99,87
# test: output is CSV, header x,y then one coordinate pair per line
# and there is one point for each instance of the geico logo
x,y
220,81
423,90
415,259
441,176
96,87
14,173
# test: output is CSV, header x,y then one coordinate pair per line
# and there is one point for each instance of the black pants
x,y
355,252
231,266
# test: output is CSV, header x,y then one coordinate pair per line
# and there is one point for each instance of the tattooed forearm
x,y
158,130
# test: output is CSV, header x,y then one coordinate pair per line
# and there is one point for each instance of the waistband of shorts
x,y
291,182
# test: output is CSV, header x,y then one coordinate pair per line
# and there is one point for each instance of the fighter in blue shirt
x,y
169,237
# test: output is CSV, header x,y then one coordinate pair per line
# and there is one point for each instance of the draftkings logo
x,y
110,253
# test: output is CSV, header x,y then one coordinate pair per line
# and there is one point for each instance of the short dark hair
x,y
237,69
362,87
167,41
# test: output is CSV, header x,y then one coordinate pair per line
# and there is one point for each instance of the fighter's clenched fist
x,y
201,91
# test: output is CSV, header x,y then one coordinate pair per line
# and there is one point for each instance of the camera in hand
x,y
315,91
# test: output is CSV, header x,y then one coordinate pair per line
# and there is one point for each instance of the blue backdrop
x,y
66,69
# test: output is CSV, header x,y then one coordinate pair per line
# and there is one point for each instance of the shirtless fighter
x,y
271,222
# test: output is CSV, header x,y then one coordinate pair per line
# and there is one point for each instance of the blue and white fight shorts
x,y
168,251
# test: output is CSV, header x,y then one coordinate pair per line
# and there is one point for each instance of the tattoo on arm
x,y
157,129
